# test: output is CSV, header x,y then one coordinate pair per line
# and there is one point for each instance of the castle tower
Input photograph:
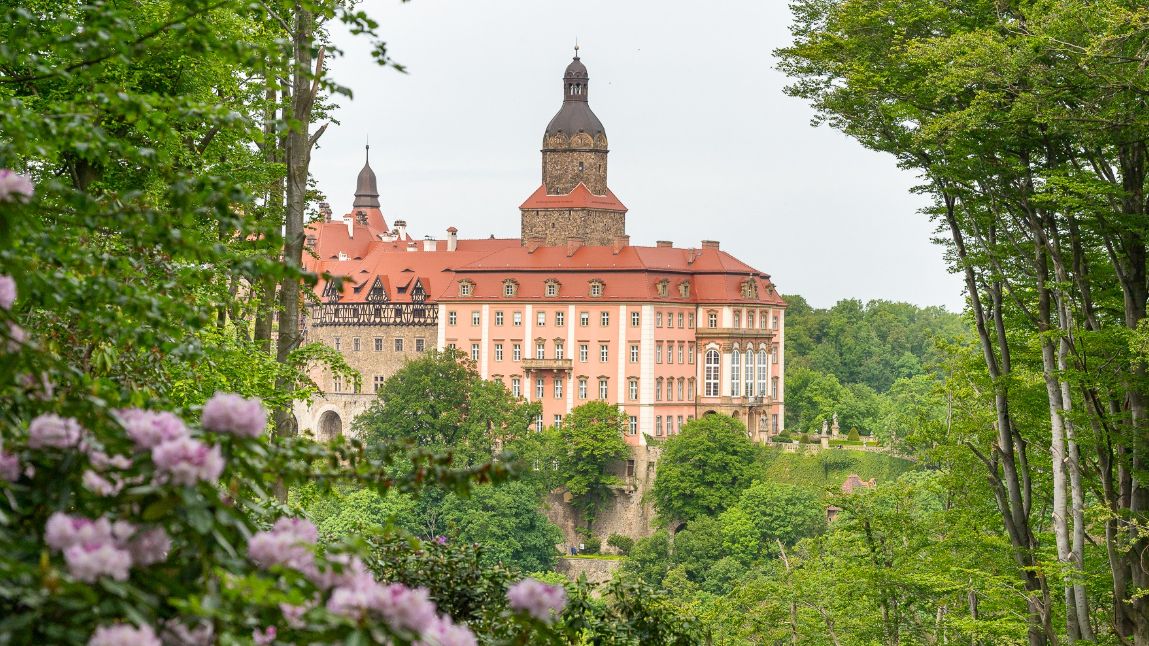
x,y
574,200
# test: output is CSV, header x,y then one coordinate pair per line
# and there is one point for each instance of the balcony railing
x,y
548,364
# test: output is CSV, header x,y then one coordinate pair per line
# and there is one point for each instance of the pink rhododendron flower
x,y
90,561
41,388
63,531
263,637
293,615
186,461
230,413
177,633
341,570
537,599
148,429
124,635
100,485
14,187
407,608
9,467
7,292
289,543
150,546
444,632
53,431
101,461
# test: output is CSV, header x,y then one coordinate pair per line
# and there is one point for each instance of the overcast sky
x,y
704,144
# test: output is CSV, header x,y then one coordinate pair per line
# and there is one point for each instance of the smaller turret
x,y
366,186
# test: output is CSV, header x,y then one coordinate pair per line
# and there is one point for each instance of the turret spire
x,y
366,187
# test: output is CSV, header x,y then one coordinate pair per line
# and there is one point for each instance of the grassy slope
x,y
828,469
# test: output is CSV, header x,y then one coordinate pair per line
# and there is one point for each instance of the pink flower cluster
x,y
7,292
9,467
14,187
289,543
230,413
124,635
354,591
537,599
96,548
53,431
179,458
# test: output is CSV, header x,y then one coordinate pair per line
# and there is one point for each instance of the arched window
x,y
748,373
735,373
711,374
762,375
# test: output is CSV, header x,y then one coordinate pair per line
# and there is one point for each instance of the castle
x,y
566,313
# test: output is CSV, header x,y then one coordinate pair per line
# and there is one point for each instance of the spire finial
x,y
368,148
576,46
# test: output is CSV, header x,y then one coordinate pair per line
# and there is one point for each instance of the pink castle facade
x,y
569,312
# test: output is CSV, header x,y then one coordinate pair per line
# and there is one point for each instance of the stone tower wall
x,y
558,225
561,158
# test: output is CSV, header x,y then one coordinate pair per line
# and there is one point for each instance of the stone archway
x,y
330,426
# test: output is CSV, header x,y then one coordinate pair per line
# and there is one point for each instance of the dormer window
x,y
663,288
331,292
749,288
510,287
342,256
684,289
596,288
377,293
466,288
552,288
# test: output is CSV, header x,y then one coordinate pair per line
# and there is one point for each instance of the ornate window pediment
x,y
377,293
663,288
597,288
466,288
749,288
684,289
332,292
510,287
552,288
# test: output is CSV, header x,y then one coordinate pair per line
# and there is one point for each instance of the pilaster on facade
x,y
484,340
646,370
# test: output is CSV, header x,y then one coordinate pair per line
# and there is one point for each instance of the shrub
x,y
854,436
804,438
784,436
621,543
591,545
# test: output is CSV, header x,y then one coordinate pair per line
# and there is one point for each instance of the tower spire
x,y
366,186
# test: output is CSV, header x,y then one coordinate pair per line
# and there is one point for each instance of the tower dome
x,y
366,186
575,115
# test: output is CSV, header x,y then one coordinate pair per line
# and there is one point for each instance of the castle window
x,y
560,350
540,387
635,318
684,289
541,319
399,344
658,389
516,387
377,294
338,344
452,318
582,387
712,319
633,429
604,353
658,426
580,167
498,318
749,288
378,344
541,350
711,373
474,352
558,395
658,319
475,319
735,373
603,388
517,319
584,319
510,287
355,344
466,288
583,352
596,288
632,389
552,288
604,319
337,383
560,319
663,288
379,380
498,352
634,354
516,352
690,354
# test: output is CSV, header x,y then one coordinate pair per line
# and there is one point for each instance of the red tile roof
x,y
579,198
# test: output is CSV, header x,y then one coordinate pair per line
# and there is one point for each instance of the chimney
x,y
691,256
452,239
710,244
401,227
325,211
534,243
411,246
573,243
350,222
666,244
429,244
620,243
